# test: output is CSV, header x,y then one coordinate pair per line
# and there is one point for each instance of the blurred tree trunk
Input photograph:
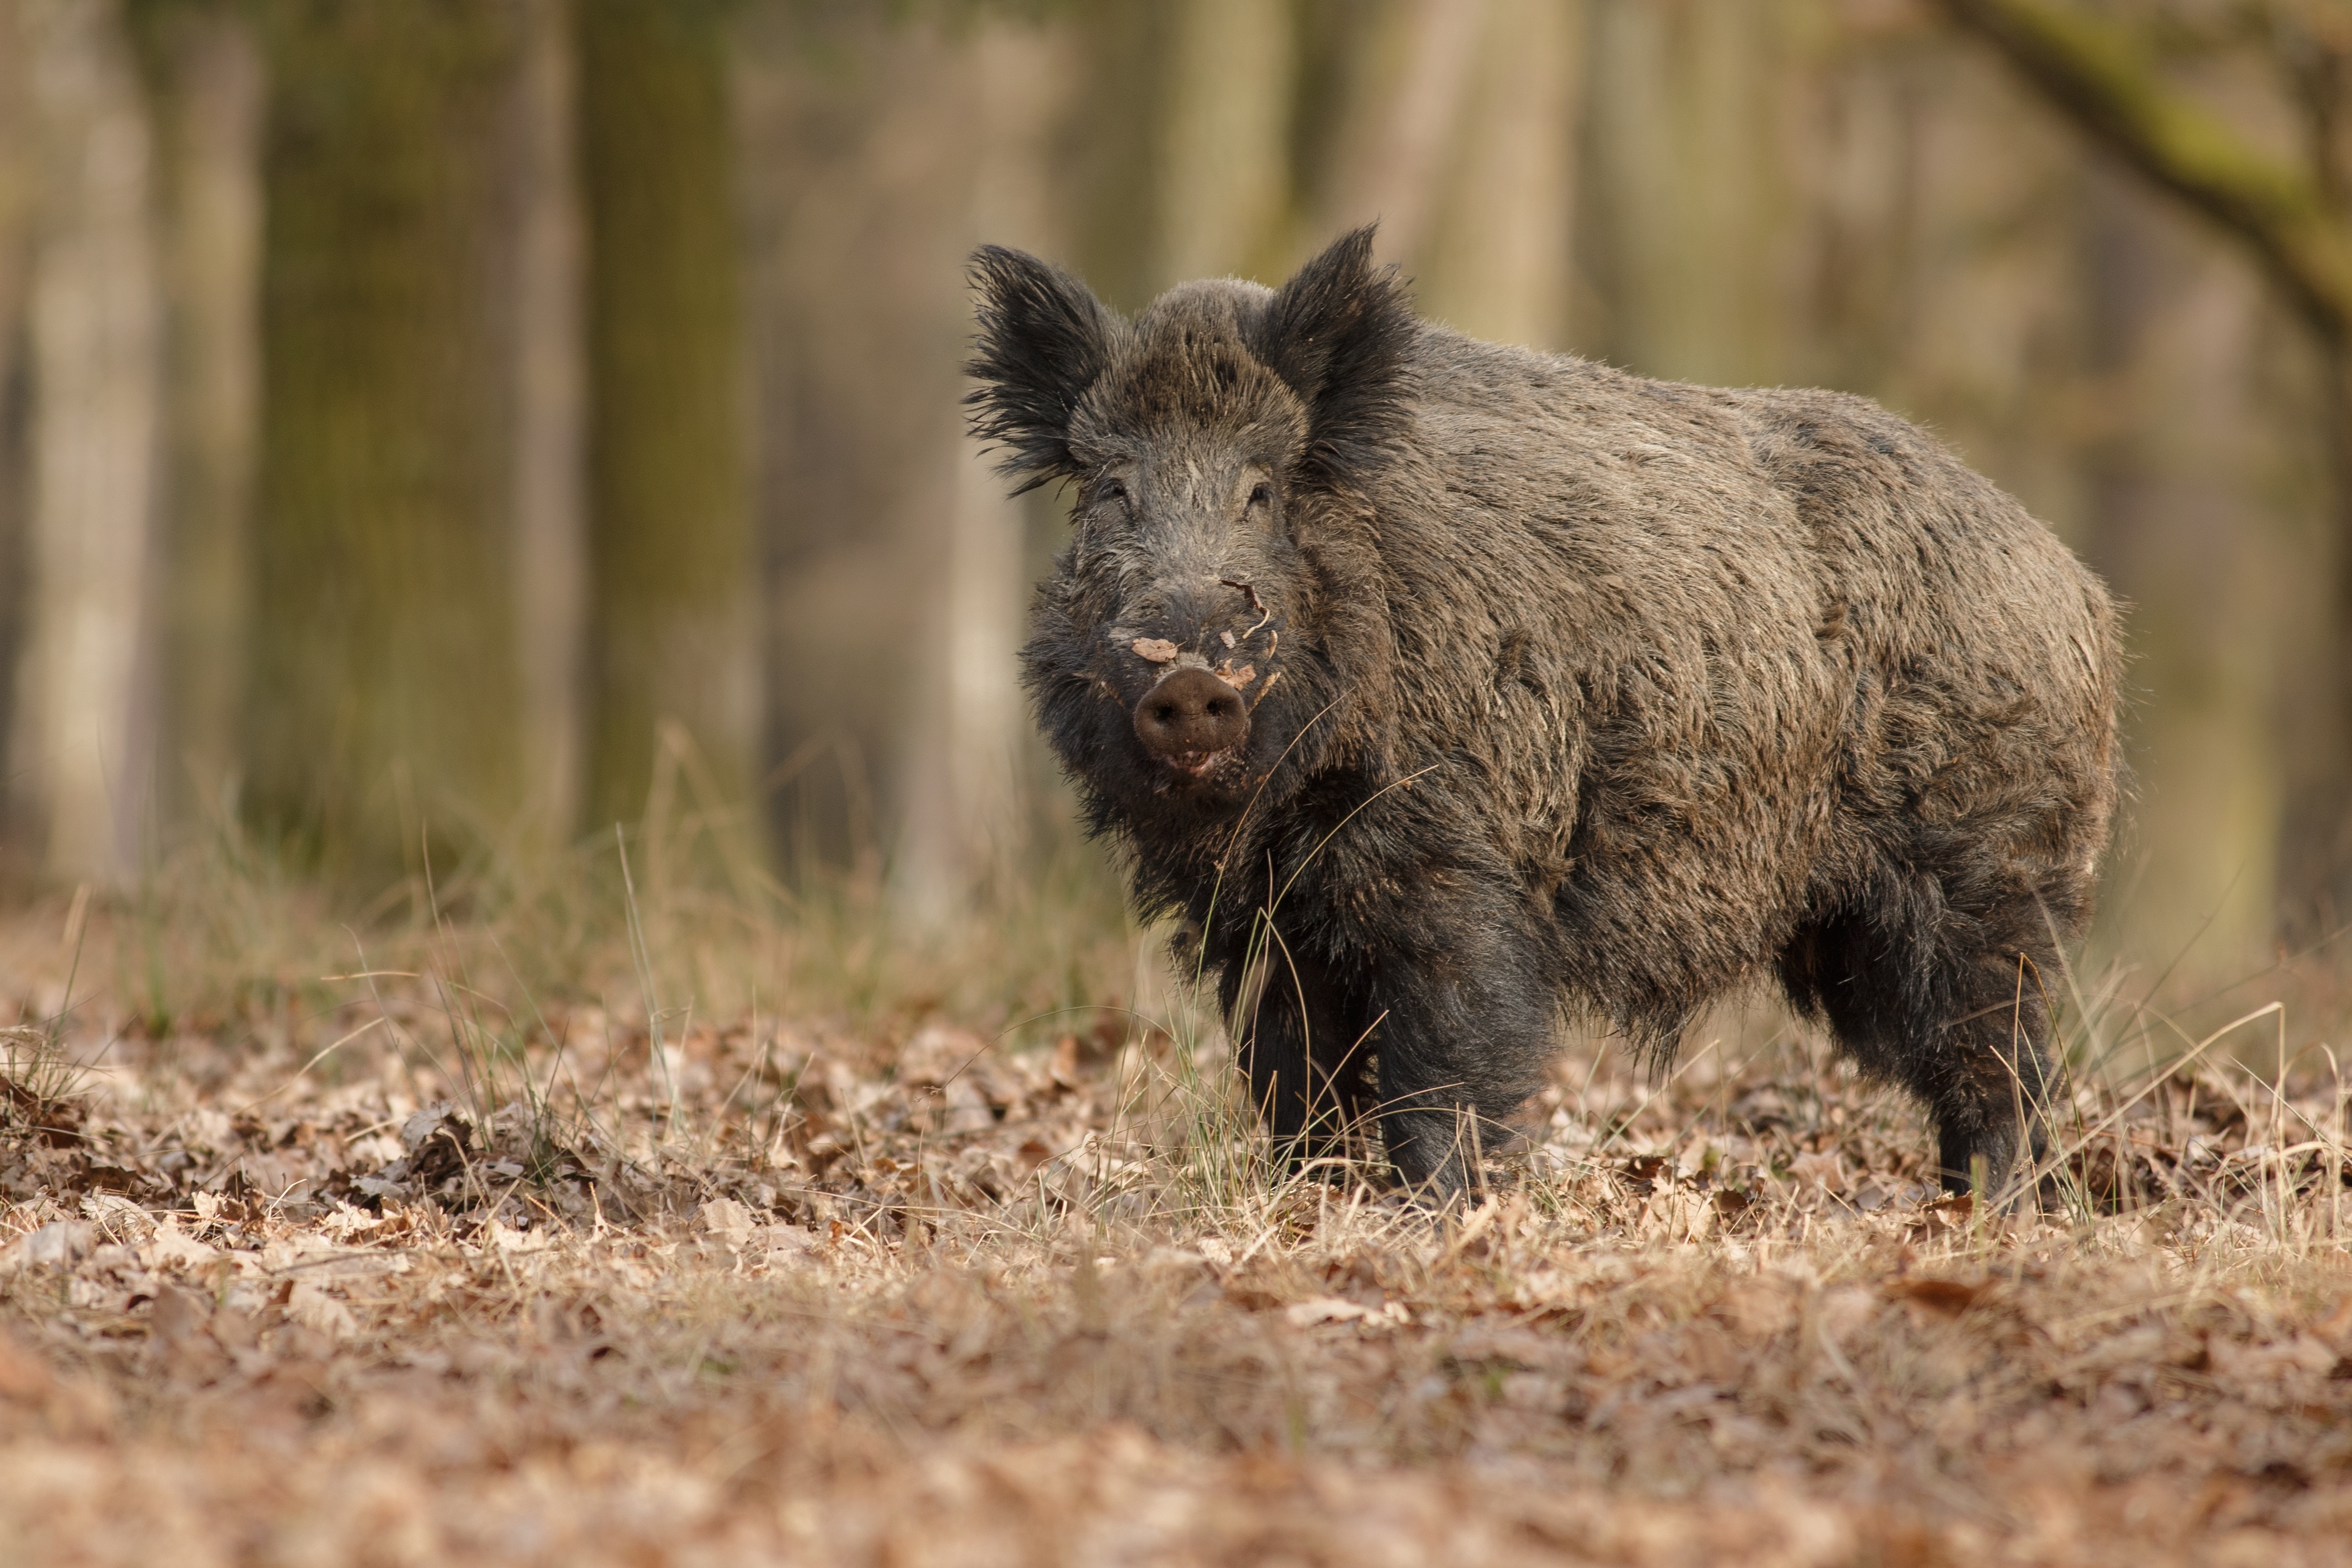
x,y
1222,151
1409,68
80,747
846,117
1497,264
2175,344
551,415
2296,223
205,70
385,686
1113,203
2316,835
1685,198
1459,134
891,567
672,582
963,819
15,223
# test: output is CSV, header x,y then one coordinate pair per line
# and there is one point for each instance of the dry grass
x,y
767,1239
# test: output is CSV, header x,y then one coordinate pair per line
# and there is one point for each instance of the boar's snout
x,y
1190,718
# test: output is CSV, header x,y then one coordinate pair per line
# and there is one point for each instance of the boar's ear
x,y
1338,334
1043,340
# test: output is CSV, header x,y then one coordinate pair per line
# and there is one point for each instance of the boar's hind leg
x,y
1949,1001
1461,1041
1304,1045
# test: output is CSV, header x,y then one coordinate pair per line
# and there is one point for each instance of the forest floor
x,y
392,1266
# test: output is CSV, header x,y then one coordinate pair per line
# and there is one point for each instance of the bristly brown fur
x,y
1571,690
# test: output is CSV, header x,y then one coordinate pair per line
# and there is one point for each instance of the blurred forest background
x,y
496,419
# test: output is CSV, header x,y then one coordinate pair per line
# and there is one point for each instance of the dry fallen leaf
x,y
1944,1214
117,1217
789,1240
1324,1310
1825,1170
1758,1309
1237,677
21,1375
1844,1309
69,1407
169,1247
58,1243
312,1307
1337,1310
1158,650
1948,1297
177,1314
728,1220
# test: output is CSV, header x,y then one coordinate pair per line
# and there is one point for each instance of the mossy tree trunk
x,y
672,570
383,690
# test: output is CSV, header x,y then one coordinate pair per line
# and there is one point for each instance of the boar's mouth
x,y
1194,765
1191,721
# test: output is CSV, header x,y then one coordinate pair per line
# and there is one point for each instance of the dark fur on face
x,y
1563,689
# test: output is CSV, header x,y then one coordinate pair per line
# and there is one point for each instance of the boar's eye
x,y
1115,492
1261,495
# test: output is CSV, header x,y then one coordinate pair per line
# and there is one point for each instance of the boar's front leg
x,y
1466,1006
1302,1033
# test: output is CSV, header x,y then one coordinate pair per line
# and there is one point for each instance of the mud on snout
x,y
1194,720
1191,720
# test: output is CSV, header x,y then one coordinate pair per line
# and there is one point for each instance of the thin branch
x,y
2098,74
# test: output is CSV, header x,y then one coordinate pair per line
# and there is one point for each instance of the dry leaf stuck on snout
x,y
1157,649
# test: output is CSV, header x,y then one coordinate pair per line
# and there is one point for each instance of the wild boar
x,y
1447,689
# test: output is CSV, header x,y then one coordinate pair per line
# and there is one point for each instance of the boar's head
x,y
1217,628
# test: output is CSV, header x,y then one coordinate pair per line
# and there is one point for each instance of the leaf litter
x,y
801,1292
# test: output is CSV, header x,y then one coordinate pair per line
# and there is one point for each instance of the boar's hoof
x,y
1190,719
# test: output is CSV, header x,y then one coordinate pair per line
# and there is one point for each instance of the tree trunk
x,y
1224,147
961,817
1410,66
206,71
1493,260
81,745
384,687
1684,200
2314,851
861,130
551,414
2290,217
671,564
16,855
2171,515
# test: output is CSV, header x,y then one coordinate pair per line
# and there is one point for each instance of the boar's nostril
x,y
1189,715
